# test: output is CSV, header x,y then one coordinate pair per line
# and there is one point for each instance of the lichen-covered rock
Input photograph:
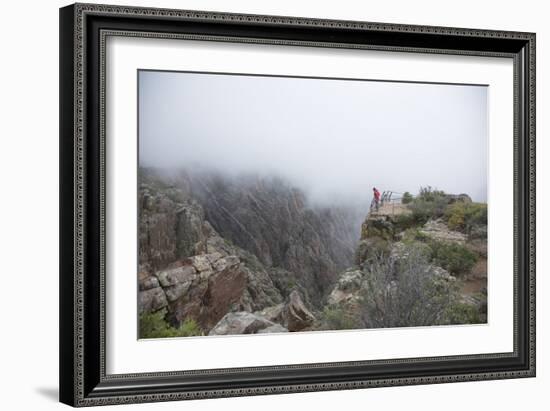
x,y
201,262
151,300
146,281
438,230
240,323
176,291
347,288
226,262
184,274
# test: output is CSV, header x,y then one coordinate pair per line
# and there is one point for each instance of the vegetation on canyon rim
x,y
222,255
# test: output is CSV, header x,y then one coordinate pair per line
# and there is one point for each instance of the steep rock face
x,y
172,225
208,292
396,254
186,267
272,220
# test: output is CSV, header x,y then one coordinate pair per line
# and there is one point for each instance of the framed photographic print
x,y
262,204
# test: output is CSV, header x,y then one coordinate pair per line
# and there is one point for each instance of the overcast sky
x,y
335,139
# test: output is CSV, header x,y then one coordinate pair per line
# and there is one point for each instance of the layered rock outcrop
x,y
187,268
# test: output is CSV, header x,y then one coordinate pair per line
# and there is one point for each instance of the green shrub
x,y
460,313
404,221
372,247
455,258
431,194
455,216
413,235
405,291
467,217
154,325
429,204
407,198
340,319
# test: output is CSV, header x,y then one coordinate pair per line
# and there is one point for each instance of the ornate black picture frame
x,y
83,30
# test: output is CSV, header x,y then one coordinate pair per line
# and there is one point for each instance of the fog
x,y
334,139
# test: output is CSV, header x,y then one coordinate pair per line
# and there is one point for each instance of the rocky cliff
x,y
210,248
415,265
221,255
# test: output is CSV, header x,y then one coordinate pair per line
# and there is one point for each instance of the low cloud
x,y
334,139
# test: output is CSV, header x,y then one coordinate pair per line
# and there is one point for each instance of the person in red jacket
x,y
376,199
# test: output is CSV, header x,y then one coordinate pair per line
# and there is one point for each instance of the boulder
x,y
275,328
241,323
176,291
151,300
201,262
178,275
146,281
296,315
438,230
274,313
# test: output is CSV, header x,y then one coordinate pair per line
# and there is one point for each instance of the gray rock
x,y
438,230
176,291
350,280
240,323
147,282
201,262
276,328
214,256
151,300
184,274
274,313
226,262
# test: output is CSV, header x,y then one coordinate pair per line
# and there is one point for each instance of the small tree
x,y
428,204
407,198
154,325
405,291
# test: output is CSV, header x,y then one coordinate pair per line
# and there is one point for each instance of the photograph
x,y
283,204
293,200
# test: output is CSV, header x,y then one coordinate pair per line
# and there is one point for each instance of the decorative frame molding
x,y
83,32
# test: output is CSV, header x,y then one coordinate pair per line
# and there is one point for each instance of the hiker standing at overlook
x,y
376,199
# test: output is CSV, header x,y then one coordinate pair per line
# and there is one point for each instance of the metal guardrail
x,y
389,197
